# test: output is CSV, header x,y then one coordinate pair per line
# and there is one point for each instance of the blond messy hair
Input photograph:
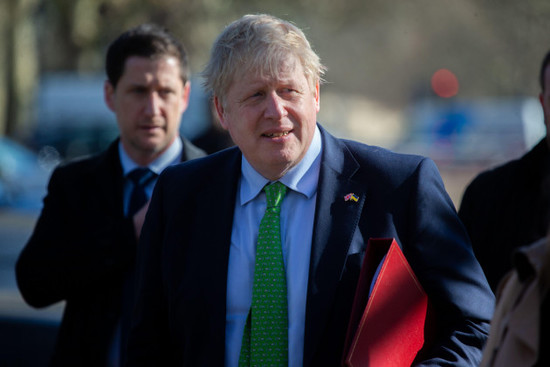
x,y
261,43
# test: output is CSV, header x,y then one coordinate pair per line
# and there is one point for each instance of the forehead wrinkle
x,y
276,70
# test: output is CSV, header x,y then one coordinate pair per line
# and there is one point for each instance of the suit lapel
x,y
335,222
109,180
217,203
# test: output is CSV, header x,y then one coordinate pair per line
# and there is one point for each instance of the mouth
x,y
276,135
149,127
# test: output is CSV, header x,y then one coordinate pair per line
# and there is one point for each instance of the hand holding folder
x,y
386,328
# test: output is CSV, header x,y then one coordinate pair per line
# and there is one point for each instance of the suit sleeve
x,y
76,247
442,257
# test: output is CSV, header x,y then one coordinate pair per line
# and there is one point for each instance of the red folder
x,y
386,329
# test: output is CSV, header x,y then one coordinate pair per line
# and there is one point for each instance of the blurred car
x,y
23,175
483,131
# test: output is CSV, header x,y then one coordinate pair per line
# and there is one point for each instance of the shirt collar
x,y
171,156
301,178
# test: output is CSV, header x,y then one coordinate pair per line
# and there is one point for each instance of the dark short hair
x,y
543,66
145,40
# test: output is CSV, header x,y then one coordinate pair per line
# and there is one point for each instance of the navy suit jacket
x,y
183,256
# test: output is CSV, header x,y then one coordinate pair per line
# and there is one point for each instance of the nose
x,y
152,104
275,108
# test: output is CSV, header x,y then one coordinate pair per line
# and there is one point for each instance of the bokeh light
x,y
444,83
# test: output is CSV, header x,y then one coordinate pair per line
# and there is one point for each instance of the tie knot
x,y
275,194
141,176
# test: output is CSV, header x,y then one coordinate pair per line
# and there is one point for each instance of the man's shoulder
x,y
84,166
522,169
512,180
213,165
383,159
498,175
381,168
191,151
367,150
212,173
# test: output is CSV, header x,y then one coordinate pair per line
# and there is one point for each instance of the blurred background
x,y
453,80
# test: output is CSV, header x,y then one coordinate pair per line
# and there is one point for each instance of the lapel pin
x,y
351,196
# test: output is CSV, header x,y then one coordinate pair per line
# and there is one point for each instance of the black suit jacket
x,y
507,207
80,251
183,256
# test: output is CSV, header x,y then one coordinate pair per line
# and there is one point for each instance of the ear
x,y
109,95
185,96
317,97
220,112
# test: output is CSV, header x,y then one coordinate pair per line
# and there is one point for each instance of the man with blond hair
x,y
222,283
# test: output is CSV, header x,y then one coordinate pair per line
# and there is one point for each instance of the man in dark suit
x,y
200,291
507,207
82,250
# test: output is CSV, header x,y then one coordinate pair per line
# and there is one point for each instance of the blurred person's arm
x,y
78,243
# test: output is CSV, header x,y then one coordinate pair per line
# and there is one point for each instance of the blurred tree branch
x,y
382,49
18,65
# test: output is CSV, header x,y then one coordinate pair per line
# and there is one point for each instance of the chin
x,y
153,147
289,155
283,161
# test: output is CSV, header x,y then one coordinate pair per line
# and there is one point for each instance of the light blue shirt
x,y
172,155
297,215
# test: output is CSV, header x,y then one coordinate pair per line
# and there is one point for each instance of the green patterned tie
x,y
265,338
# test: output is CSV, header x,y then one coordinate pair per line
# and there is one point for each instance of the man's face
x,y
148,102
271,119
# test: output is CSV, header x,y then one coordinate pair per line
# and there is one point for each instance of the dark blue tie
x,y
140,177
